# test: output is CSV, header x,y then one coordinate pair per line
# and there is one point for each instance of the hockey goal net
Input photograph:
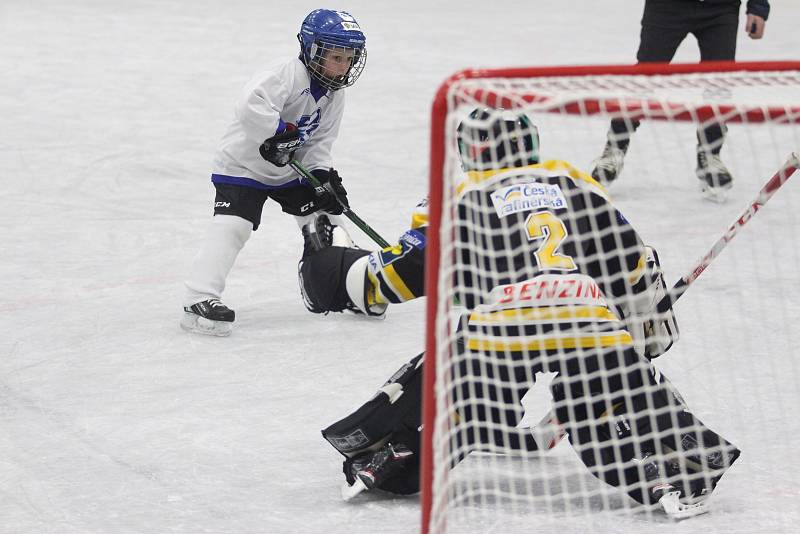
x,y
735,363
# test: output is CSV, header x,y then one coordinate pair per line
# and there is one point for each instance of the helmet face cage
x,y
496,139
316,64
324,33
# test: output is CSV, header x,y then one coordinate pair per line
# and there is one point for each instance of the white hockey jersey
x,y
283,93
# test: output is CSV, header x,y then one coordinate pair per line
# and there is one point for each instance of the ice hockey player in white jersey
x,y
290,110
582,308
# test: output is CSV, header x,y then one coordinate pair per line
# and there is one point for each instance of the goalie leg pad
x,y
396,406
634,414
392,415
361,290
322,274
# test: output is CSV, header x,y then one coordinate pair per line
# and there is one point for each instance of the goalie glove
x,y
653,333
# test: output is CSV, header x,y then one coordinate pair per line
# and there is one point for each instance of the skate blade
x,y
349,492
678,510
200,325
718,195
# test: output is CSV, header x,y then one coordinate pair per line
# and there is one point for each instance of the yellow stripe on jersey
x,y
539,343
374,295
635,275
547,313
418,220
553,167
396,283
610,412
420,216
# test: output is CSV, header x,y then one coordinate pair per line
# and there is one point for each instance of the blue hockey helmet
x,y
495,139
336,34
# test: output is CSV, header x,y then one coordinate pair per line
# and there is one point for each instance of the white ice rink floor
x,y
113,420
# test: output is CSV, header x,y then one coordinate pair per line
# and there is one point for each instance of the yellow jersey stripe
x,y
554,167
550,343
396,283
374,295
548,313
635,275
418,220
610,412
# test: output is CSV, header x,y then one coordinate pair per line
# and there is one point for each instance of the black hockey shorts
x,y
248,202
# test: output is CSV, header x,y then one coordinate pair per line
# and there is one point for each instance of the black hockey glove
x,y
653,333
334,195
280,148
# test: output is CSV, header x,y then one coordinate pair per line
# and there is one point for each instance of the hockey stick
x,y
346,211
769,189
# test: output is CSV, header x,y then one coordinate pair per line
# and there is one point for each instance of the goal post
x,y
572,107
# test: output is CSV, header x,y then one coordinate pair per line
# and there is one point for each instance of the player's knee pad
x,y
322,276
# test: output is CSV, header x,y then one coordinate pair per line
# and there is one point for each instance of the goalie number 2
x,y
545,225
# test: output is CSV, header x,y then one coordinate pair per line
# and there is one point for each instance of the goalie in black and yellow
x,y
552,278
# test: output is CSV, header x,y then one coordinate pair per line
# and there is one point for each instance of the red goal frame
x,y
650,109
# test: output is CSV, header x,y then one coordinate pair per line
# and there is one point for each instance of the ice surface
x,y
113,420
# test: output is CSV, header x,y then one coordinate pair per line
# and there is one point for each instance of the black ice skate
x,y
321,233
715,179
317,234
673,499
609,165
369,470
210,317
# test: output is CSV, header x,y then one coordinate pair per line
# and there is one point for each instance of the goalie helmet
x,y
325,31
497,139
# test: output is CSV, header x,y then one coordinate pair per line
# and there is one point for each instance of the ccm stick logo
x,y
717,248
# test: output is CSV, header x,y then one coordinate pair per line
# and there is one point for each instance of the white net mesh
x,y
540,287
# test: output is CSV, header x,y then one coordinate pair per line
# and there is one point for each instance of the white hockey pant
x,y
226,236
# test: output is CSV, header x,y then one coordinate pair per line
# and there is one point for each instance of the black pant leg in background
x,y
715,28
665,24
664,27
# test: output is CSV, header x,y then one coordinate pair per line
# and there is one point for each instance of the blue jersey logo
x,y
307,124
